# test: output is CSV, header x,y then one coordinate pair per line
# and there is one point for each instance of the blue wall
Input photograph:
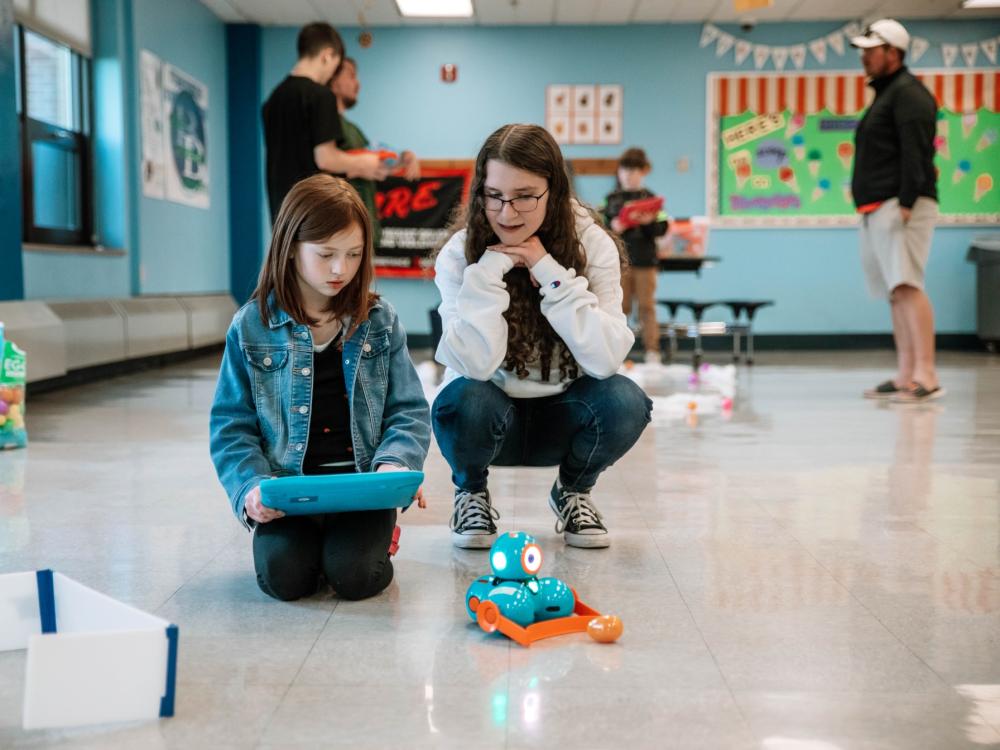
x,y
11,276
184,249
171,248
814,275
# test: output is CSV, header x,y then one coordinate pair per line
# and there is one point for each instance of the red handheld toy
x,y
627,216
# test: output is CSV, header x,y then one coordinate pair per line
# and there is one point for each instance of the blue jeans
x,y
582,430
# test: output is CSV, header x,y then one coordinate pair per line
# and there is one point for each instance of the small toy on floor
x,y
526,608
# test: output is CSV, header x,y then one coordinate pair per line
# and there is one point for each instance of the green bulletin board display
x,y
782,148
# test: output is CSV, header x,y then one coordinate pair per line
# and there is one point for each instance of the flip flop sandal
x,y
917,394
883,390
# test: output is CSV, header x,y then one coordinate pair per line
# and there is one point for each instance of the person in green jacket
x,y
345,86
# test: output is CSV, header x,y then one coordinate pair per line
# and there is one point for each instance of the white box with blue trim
x,y
91,658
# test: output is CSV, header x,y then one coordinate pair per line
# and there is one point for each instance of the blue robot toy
x,y
520,595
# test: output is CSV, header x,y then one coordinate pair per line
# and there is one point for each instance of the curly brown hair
x,y
530,336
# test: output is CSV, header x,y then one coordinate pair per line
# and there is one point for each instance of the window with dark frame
x,y
53,102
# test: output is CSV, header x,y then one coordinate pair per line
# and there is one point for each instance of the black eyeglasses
x,y
523,204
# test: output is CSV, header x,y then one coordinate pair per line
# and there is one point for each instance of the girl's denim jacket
x,y
260,416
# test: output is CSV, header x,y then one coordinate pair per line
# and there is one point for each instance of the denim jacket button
x,y
347,361
367,347
303,410
298,446
306,371
267,361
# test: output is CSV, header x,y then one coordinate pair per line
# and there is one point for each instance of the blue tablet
x,y
340,493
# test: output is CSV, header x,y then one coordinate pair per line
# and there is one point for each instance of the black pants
x,y
351,550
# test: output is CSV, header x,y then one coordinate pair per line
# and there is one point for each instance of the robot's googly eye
x,y
532,558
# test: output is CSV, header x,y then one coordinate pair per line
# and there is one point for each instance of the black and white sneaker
x,y
473,520
578,520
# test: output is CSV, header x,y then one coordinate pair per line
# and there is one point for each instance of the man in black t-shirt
x,y
302,124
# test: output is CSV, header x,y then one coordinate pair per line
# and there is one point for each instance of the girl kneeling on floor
x,y
316,379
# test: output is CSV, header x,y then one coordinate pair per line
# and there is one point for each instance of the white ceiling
x,y
602,12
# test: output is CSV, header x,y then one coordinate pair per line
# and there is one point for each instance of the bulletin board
x,y
781,146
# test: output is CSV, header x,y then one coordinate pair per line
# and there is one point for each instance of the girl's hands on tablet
x,y
257,511
419,497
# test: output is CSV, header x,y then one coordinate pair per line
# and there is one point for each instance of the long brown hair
x,y
315,209
530,336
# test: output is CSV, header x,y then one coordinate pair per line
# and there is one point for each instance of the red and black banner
x,y
415,218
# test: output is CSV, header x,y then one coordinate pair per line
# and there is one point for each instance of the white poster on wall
x,y
151,106
185,109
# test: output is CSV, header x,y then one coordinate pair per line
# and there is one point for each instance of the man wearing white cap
x,y
895,191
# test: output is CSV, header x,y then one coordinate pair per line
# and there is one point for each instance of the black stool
x,y
738,306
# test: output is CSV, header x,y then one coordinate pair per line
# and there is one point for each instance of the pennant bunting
x,y
709,34
989,47
969,52
798,55
760,54
724,44
780,56
950,53
743,50
836,41
918,46
818,49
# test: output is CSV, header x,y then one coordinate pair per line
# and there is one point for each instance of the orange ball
x,y
605,629
16,395
692,405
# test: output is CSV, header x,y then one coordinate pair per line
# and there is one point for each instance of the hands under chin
x,y
524,254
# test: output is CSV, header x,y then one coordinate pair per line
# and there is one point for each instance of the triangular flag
x,y
852,29
836,40
969,52
780,57
760,54
949,52
918,46
724,44
798,54
709,34
990,49
818,48
743,49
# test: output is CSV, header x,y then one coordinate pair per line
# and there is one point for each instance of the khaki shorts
x,y
894,253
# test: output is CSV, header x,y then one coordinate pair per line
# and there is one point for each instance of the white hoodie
x,y
585,311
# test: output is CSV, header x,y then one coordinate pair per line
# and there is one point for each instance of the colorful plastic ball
x,y
16,395
605,629
4,408
727,404
3,421
14,413
692,405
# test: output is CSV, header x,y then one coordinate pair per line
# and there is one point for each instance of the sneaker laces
x,y
578,511
473,510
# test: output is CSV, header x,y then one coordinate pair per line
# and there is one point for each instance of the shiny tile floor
x,y
815,572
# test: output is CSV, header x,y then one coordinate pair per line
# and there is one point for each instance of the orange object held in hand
x,y
382,154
